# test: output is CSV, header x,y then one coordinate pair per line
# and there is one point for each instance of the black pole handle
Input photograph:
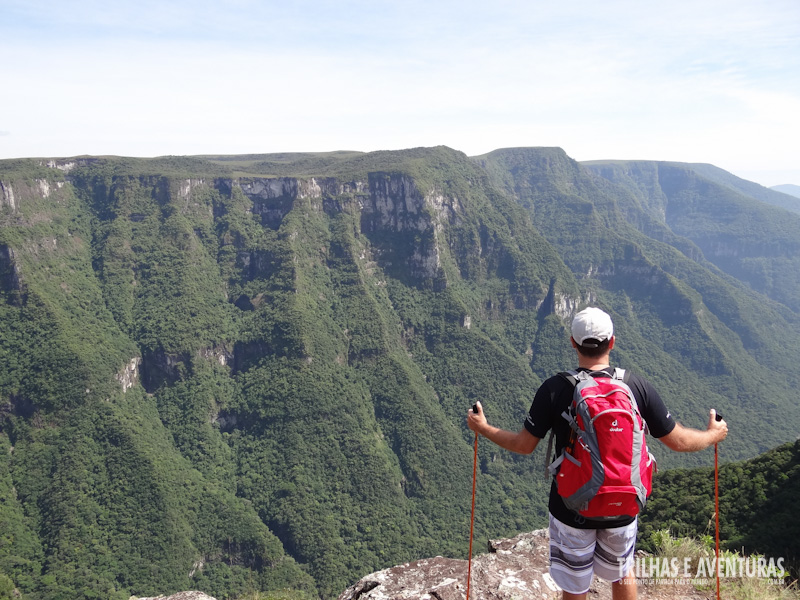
x,y
719,417
475,408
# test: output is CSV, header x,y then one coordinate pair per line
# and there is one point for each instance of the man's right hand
x,y
719,429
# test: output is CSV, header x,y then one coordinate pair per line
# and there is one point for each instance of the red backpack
x,y
605,471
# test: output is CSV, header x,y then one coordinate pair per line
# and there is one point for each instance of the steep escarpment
x,y
681,310
306,344
100,500
753,241
252,374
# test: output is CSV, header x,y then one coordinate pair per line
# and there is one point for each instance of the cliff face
x,y
388,204
274,363
203,327
717,213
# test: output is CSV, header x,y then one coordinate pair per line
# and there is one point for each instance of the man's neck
x,y
593,364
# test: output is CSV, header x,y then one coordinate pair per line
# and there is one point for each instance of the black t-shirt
x,y
554,397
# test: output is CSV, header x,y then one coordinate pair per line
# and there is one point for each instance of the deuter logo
x,y
614,427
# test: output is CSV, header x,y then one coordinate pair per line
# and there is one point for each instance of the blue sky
x,y
695,81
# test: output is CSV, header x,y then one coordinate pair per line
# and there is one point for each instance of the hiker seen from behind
x,y
602,472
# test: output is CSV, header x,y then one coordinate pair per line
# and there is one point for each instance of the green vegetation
x,y
735,583
700,335
249,375
757,503
755,242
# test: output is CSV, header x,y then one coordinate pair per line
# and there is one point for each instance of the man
x,y
580,547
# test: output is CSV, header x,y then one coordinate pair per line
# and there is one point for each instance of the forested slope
x,y
243,373
755,242
703,336
758,504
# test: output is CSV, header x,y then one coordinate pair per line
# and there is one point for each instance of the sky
x,y
712,81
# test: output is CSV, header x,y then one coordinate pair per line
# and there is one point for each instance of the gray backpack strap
x,y
550,468
547,464
624,376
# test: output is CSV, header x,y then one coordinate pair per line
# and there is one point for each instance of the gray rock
x,y
513,569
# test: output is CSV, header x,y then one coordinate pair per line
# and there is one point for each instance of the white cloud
x,y
710,82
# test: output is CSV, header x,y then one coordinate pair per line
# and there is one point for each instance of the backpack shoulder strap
x,y
624,376
621,374
572,377
548,455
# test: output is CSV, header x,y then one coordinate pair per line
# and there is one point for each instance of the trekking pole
x,y
472,516
716,504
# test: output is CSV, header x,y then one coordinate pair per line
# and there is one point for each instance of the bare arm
x,y
522,442
686,439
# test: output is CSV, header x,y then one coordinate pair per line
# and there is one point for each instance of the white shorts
x,y
576,554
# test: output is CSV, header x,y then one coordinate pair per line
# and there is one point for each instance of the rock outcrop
x,y
7,196
129,374
513,569
388,202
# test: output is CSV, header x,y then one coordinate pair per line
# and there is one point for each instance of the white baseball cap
x,y
592,324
